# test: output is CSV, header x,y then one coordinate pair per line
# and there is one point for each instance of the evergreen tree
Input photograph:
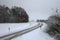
x,y
20,14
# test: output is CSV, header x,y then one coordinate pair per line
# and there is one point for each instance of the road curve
x,y
19,33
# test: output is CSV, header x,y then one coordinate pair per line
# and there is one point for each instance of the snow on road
x,y
37,34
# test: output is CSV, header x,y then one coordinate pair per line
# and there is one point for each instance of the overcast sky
x,y
36,9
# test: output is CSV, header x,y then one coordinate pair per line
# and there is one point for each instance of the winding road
x,y
19,33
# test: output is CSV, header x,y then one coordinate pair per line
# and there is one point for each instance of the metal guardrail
x,y
19,33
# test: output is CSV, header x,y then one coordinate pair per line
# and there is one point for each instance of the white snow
x,y
37,34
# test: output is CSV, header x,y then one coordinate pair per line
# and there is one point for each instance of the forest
x,y
13,15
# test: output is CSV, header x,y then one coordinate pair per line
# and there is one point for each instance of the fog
x,y
36,9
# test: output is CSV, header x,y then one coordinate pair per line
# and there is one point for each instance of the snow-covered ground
x,y
37,34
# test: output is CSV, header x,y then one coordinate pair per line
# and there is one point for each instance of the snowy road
x,y
37,34
13,35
